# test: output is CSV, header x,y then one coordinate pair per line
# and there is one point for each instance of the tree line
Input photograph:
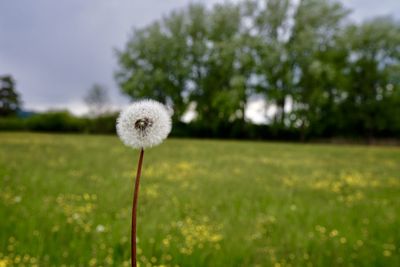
x,y
324,74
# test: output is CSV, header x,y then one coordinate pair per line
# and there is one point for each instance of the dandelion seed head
x,y
145,123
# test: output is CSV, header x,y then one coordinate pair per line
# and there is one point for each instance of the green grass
x,y
65,200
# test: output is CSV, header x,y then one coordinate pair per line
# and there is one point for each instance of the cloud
x,y
364,9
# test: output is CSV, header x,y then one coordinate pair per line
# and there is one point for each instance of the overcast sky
x,y
56,50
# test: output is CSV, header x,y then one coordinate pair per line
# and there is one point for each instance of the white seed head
x,y
144,123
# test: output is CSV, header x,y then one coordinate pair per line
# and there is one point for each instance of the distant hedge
x,y
63,121
60,121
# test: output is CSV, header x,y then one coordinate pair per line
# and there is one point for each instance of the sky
x,y
56,50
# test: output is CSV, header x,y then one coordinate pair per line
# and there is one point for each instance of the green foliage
x,y
9,98
103,124
66,200
373,85
57,121
190,56
12,124
324,75
61,121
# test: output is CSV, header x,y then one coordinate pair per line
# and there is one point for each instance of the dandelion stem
x,y
134,209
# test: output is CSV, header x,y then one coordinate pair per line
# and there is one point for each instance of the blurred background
x,y
301,72
291,70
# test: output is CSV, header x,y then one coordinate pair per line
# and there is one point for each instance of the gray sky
x,y
57,49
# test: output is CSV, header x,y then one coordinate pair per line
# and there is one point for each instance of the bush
x,y
234,130
55,121
104,124
60,121
13,124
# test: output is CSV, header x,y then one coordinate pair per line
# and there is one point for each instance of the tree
x,y
324,75
320,57
372,102
9,98
154,64
97,100
219,70
288,36
192,56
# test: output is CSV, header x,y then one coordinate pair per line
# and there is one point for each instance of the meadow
x,y
65,200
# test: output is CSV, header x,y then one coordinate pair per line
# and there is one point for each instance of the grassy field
x,y
65,200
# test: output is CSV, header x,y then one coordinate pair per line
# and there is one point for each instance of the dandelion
x,y
387,253
333,233
143,124
3,263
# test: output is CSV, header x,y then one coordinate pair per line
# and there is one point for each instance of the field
x,y
65,200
